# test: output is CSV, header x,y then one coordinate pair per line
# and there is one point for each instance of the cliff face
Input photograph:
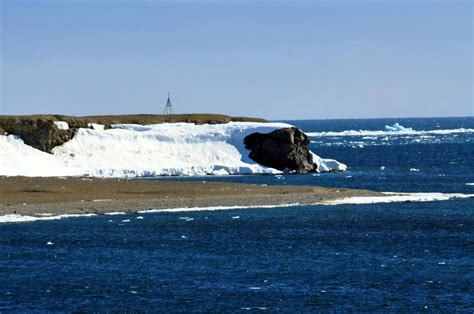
x,y
38,133
283,149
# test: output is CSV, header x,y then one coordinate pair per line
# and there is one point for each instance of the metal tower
x,y
168,108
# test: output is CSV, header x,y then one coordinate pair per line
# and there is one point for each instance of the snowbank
x,y
129,150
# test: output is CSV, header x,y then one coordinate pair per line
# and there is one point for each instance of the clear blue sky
x,y
273,59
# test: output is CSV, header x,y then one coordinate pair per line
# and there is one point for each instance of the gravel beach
x,y
38,196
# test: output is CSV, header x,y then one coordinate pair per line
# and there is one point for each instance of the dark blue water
x,y
383,257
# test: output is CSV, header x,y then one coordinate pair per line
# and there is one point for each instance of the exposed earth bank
x,y
40,132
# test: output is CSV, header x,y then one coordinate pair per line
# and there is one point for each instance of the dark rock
x,y
38,133
283,149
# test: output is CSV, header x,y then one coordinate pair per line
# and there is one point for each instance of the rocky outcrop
x,y
39,133
283,149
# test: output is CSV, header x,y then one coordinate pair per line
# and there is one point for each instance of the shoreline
x,y
39,196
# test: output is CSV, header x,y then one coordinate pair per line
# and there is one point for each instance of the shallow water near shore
x,y
380,257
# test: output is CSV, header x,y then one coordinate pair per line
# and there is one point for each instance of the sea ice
x,y
391,197
396,127
385,133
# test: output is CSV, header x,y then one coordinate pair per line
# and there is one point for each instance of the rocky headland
x,y
284,149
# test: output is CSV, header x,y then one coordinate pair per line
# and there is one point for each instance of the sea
x,y
392,257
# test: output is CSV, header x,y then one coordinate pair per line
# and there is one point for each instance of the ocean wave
x,y
213,208
11,218
378,133
16,218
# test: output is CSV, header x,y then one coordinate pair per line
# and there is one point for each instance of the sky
x,y
271,59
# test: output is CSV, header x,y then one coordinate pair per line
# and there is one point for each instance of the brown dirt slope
x,y
33,196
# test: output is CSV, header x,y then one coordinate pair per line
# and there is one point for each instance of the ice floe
x,y
391,197
396,127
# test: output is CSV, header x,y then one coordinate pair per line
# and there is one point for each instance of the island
x,y
55,164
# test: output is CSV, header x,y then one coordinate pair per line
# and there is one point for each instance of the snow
x,y
61,125
325,165
129,150
18,159
95,126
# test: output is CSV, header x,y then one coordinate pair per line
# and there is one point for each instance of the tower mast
x,y
169,107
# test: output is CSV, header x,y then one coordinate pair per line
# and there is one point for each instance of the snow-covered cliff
x,y
129,150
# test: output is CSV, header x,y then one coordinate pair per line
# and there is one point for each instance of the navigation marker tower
x,y
168,108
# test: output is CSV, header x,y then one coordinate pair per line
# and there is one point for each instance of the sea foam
x,y
380,133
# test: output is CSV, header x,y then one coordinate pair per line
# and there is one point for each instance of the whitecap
x,y
12,218
385,134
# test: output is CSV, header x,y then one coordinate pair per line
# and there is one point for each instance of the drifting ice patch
x,y
378,133
396,127
391,197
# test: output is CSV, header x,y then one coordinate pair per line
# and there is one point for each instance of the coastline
x,y
39,196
